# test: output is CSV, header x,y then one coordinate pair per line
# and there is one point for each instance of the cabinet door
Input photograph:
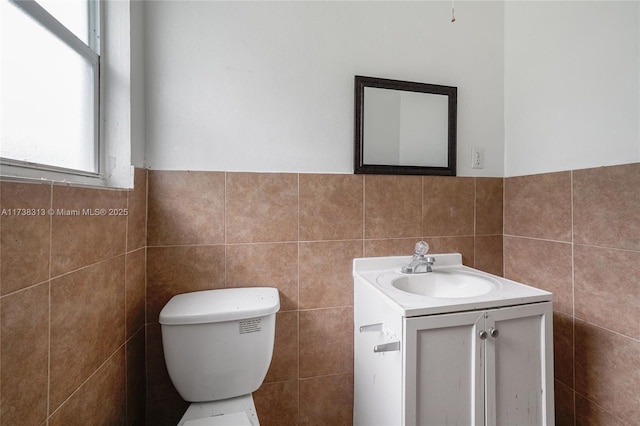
x,y
444,370
519,357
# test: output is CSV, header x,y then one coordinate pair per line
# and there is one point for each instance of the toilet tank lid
x,y
228,304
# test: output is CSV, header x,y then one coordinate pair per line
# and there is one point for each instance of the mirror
x,y
404,128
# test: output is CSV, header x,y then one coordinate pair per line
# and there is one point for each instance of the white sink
x,y
446,284
450,287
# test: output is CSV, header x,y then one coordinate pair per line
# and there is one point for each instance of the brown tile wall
x,y
73,295
299,233
72,292
577,234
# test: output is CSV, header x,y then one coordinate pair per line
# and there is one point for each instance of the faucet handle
x,y
421,248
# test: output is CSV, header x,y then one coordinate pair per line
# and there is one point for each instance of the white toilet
x,y
218,346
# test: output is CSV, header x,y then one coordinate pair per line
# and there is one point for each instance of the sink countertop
x,y
378,272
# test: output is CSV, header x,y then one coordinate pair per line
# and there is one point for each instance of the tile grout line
x,y
224,227
144,324
601,327
49,306
504,209
573,294
298,294
597,403
475,219
91,376
126,262
363,185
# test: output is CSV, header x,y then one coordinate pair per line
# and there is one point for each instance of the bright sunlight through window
x,y
49,85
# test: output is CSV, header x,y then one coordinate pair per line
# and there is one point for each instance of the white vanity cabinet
x,y
482,367
485,366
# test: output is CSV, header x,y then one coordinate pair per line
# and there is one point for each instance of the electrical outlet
x,y
477,158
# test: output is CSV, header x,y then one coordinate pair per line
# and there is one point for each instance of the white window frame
x,y
112,120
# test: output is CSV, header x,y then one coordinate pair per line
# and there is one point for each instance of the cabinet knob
x,y
494,332
483,334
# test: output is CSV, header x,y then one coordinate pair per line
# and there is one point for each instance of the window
x,y
50,85
54,91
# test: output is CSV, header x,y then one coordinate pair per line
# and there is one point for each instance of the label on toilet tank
x,y
252,325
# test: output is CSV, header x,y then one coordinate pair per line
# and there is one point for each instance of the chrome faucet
x,y
420,263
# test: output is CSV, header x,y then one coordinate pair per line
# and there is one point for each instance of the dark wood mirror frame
x,y
451,92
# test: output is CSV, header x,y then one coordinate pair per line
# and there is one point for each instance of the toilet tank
x,y
218,343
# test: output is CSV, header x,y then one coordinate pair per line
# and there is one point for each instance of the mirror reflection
x,y
404,127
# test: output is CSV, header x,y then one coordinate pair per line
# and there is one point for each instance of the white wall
x,y
571,85
268,86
